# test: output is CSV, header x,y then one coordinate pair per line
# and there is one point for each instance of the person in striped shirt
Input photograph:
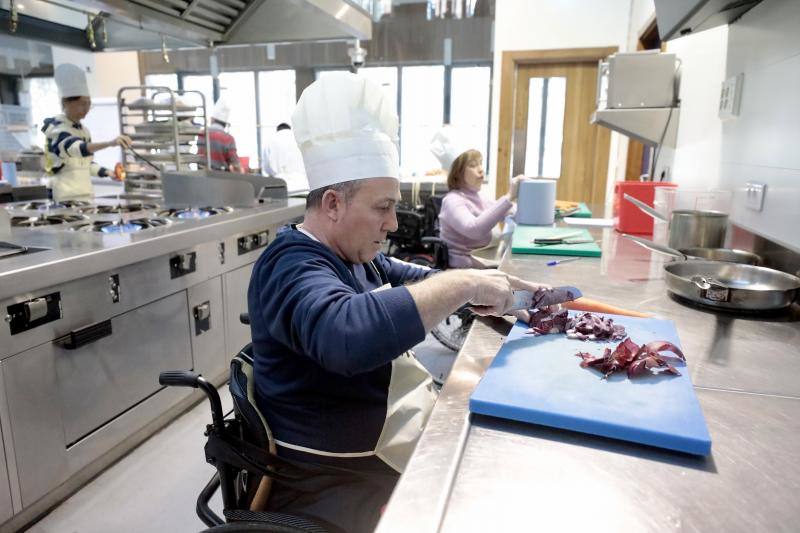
x,y
69,147
222,144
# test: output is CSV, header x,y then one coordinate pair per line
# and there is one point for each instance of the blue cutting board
x,y
522,241
539,380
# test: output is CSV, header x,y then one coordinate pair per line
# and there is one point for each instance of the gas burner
x,y
45,220
122,226
194,212
41,205
126,208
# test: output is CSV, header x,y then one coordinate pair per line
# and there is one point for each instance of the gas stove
x,y
45,220
194,212
43,205
115,209
122,226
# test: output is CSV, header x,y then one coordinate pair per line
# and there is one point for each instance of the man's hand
x,y
487,291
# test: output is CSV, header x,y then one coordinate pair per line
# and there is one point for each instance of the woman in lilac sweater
x,y
466,220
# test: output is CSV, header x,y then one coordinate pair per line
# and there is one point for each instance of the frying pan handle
x,y
710,289
644,207
655,247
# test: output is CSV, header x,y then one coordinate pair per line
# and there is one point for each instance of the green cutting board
x,y
522,242
582,212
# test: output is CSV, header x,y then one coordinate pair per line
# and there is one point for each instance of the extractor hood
x,y
144,24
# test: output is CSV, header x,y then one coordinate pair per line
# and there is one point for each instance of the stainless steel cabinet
x,y
35,416
6,506
235,287
57,396
207,327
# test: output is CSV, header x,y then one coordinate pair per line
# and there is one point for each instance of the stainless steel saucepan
x,y
732,286
728,255
690,228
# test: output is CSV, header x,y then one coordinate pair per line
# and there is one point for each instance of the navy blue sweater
x,y
323,344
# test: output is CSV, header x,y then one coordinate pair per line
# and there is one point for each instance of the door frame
x,y
510,63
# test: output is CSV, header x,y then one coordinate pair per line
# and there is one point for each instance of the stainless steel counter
x,y
72,255
474,473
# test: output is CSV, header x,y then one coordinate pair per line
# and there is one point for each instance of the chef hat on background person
x,y
71,81
346,129
222,110
446,146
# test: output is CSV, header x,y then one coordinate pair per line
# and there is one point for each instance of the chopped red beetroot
x,y
637,360
585,326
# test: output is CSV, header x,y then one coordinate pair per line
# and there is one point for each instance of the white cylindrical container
x,y
536,204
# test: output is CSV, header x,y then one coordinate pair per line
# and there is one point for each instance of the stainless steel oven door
x,y
104,373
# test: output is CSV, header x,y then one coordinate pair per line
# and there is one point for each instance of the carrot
x,y
585,304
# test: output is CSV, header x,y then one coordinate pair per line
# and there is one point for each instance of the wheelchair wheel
x,y
452,331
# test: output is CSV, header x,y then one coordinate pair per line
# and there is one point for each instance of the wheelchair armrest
x,y
432,240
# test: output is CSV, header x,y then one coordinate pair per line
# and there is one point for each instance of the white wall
x,y
762,143
115,70
548,24
698,149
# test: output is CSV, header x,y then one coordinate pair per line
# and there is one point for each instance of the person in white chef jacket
x,y
282,158
69,143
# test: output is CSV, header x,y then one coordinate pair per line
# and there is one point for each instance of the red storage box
x,y
627,217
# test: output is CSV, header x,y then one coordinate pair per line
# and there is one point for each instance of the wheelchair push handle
x,y
187,378
179,378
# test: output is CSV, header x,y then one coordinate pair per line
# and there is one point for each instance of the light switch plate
x,y
730,96
754,195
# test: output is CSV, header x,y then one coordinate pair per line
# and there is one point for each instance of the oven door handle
x,y
86,335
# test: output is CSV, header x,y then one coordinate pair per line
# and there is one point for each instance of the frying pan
x,y
732,286
728,255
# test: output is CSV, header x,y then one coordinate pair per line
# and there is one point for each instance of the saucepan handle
x,y
644,207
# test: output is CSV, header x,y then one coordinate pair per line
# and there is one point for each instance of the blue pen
x,y
554,263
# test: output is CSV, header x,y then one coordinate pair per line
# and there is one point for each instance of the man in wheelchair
x,y
333,319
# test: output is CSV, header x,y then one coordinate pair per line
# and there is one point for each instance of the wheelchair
x,y
241,448
417,241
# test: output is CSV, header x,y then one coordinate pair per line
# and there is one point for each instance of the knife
x,y
544,297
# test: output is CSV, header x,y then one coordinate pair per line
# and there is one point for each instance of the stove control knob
x,y
245,243
186,262
263,238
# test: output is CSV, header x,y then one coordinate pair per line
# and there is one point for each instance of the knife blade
x,y
544,297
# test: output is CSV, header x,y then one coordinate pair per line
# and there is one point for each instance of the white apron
x,y
73,180
408,406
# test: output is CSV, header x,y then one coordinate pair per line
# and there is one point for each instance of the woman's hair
x,y
454,177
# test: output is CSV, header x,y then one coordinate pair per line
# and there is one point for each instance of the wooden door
x,y
583,169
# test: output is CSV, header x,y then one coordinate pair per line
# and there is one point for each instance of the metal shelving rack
x,y
164,130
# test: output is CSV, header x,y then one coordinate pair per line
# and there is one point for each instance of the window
x,y
545,130
277,97
205,85
240,90
385,78
161,80
421,117
44,102
469,107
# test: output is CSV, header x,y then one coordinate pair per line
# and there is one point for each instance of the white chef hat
x,y
446,145
71,81
222,110
346,129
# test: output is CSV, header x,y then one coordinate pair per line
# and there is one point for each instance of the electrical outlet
x,y
730,96
754,195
